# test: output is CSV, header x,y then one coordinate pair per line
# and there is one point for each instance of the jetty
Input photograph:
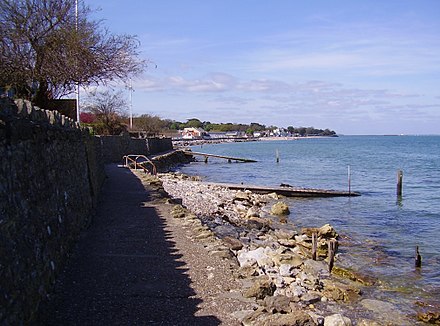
x,y
229,158
288,191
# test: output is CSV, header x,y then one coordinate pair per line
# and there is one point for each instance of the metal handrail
x,y
130,157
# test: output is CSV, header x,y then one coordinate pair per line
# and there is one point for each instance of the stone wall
x,y
51,171
159,145
115,147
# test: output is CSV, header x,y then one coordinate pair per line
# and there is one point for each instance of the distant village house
x,y
194,133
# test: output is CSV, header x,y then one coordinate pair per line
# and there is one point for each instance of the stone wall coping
x,y
24,109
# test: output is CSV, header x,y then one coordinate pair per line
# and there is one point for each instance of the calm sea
x,y
380,231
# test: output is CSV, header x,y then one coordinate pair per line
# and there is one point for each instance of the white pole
x,y
131,104
77,84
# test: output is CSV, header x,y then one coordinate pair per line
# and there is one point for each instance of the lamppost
x,y
77,83
131,90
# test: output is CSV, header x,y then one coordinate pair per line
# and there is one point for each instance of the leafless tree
x,y
151,124
110,110
46,49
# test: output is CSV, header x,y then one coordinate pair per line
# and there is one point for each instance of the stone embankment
x,y
51,173
273,259
166,161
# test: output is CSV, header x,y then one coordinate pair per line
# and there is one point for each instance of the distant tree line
x,y
247,128
303,131
107,114
156,125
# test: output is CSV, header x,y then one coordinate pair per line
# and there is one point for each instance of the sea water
x,y
380,229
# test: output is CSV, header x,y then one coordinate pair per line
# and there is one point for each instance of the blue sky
x,y
357,67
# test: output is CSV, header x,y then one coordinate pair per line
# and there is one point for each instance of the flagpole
x,y
131,104
77,83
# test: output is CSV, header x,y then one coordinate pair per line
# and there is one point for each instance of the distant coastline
x,y
196,142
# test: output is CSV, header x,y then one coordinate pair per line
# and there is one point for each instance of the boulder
x,y
310,298
286,270
308,281
223,254
261,288
254,211
280,208
240,209
287,243
277,303
247,271
327,231
317,268
259,256
226,230
256,223
285,234
288,258
341,292
242,196
233,243
297,318
273,195
337,320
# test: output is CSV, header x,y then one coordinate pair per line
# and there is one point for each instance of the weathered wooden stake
x,y
314,245
418,261
399,182
349,180
277,156
331,254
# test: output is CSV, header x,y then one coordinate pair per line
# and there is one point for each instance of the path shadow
x,y
124,270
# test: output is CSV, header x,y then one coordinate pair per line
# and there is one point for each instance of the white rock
x,y
285,270
296,290
258,256
337,320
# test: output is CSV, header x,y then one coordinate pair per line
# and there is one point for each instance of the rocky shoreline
x,y
253,238
273,259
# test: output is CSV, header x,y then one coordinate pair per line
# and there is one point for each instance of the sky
x,y
356,67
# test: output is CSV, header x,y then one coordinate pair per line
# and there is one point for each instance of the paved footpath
x,y
124,270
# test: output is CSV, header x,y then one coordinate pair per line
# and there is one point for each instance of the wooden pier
x,y
288,191
229,158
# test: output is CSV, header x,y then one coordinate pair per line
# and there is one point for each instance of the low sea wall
x,y
170,160
51,171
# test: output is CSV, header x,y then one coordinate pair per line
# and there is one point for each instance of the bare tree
x,y
110,110
151,124
46,49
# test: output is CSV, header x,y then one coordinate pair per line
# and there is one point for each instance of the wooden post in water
x,y
277,156
399,183
331,254
314,245
206,159
418,260
349,180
